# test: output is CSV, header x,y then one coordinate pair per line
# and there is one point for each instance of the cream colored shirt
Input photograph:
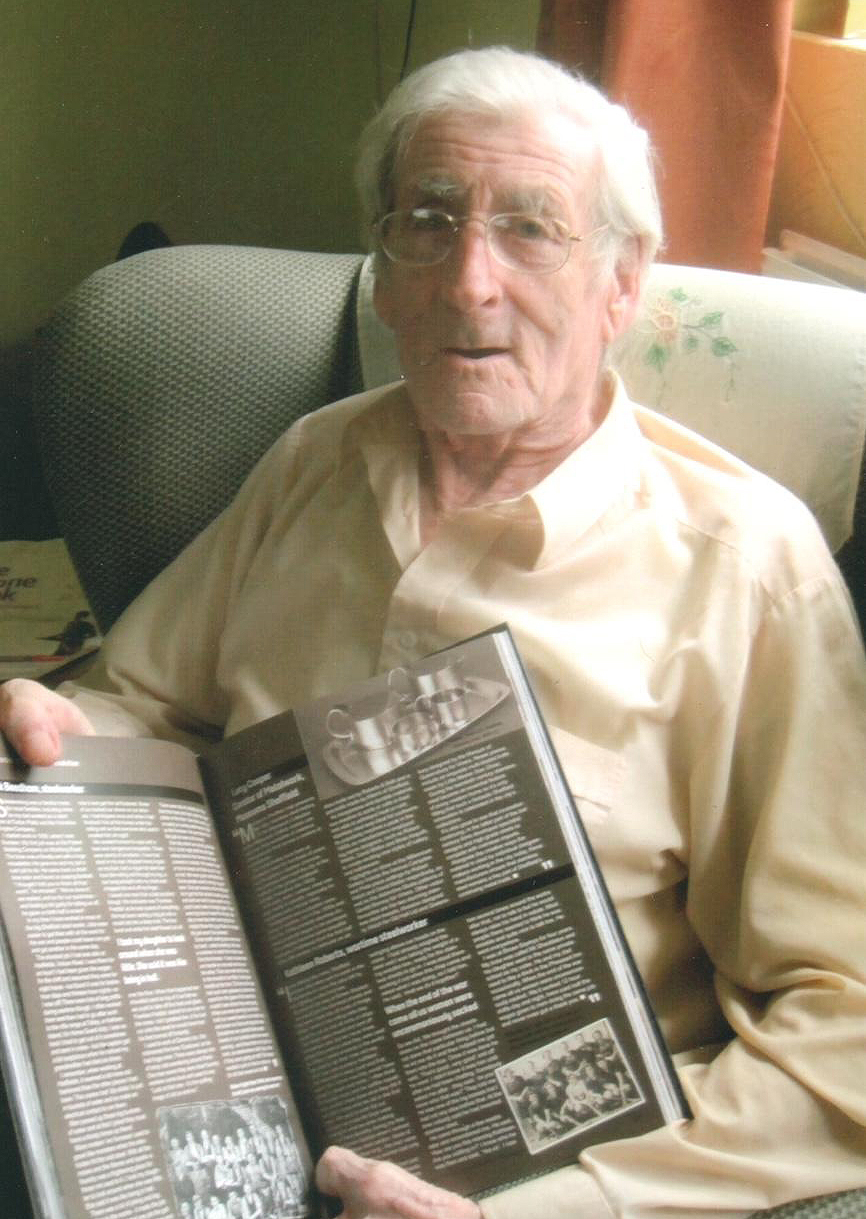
x,y
696,657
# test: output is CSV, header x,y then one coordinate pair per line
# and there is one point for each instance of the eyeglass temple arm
x,y
586,236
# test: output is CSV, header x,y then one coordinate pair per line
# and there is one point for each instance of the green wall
x,y
223,122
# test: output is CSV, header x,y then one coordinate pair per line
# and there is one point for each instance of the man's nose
x,y
470,273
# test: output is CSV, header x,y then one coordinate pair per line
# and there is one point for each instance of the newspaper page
x,y
162,1090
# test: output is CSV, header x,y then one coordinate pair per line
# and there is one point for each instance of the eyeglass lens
x,y
425,236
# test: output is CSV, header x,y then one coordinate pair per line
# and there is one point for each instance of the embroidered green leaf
x,y
711,319
691,342
677,294
657,356
723,347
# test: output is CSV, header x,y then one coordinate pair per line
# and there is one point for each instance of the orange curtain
x,y
706,79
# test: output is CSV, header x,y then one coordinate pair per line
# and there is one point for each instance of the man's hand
x,y
373,1189
33,717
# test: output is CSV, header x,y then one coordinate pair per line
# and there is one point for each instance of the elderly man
x,y
688,635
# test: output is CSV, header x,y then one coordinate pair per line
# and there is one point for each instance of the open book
x,y
373,921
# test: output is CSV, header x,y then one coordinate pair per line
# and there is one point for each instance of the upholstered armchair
x,y
163,377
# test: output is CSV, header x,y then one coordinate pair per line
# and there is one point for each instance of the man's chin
x,y
470,414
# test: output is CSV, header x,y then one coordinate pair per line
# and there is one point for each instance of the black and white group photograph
x,y
568,1085
234,1160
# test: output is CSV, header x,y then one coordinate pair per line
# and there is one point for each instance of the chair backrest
x,y
774,371
161,380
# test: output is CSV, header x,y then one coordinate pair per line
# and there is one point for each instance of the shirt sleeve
x,y
776,894
157,671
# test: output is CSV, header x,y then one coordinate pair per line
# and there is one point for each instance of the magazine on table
x,y
45,620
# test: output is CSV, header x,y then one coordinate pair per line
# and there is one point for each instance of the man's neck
x,y
467,471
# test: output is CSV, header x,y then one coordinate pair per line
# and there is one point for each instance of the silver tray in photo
x,y
356,766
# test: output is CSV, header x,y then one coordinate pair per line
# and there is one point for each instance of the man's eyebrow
x,y
445,192
438,190
535,201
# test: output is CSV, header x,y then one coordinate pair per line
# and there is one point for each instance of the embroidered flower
x,y
675,323
666,322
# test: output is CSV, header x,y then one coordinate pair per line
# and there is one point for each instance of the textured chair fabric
x,y
162,379
848,1205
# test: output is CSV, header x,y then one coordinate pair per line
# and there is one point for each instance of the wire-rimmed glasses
x,y
424,236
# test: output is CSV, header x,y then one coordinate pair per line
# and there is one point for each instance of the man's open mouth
x,y
475,353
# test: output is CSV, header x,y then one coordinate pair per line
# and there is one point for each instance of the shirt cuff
x,y
567,1193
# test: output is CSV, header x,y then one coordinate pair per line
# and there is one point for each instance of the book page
x,y
162,1088
433,965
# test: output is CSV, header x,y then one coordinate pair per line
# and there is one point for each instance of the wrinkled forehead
x,y
523,162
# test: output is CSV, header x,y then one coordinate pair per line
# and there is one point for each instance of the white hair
x,y
501,82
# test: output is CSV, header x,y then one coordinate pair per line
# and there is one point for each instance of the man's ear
x,y
382,297
626,289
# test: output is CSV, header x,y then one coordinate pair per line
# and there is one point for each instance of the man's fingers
x,y
33,717
374,1189
337,1171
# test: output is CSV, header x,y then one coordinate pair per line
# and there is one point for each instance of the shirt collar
x,y
572,498
390,445
546,520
